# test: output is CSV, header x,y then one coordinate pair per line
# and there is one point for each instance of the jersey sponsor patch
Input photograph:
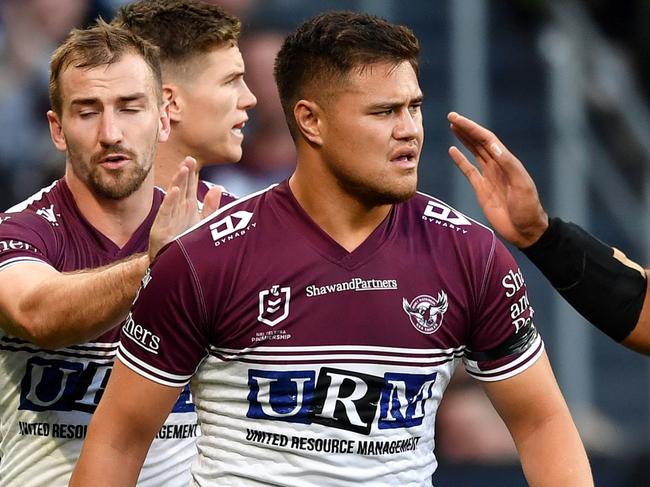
x,y
232,226
445,216
338,398
354,284
141,336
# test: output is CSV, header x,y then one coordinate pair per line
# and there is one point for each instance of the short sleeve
x,y
164,337
25,237
504,341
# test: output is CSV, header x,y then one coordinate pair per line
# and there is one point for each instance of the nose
x,y
109,131
408,126
247,99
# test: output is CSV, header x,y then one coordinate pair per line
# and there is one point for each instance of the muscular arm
x,y
53,309
597,280
533,409
122,429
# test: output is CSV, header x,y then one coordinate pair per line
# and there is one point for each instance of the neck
x,y
169,156
345,218
117,220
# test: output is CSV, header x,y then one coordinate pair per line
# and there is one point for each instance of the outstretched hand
x,y
180,209
504,189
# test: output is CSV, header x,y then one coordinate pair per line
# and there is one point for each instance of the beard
x,y
372,193
113,184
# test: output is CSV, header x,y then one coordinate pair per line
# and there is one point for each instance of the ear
x,y
56,131
309,120
164,124
172,95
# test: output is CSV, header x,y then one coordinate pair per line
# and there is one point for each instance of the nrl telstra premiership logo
x,y
274,305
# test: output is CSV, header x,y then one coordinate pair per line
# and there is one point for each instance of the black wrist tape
x,y
603,289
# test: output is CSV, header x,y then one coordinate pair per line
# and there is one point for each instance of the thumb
x,y
211,201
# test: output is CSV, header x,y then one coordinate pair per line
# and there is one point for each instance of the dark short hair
x,y
180,28
100,44
326,48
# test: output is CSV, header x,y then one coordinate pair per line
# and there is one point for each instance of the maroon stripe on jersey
x,y
385,357
82,347
38,351
388,353
334,360
148,371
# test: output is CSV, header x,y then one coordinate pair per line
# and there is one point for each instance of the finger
x,y
470,171
168,205
482,157
468,143
477,133
485,141
193,179
211,201
185,173
177,177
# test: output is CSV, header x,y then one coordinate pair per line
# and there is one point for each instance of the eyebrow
x,y
417,100
94,101
234,74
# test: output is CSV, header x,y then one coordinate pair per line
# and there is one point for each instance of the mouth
x,y
114,161
237,129
405,158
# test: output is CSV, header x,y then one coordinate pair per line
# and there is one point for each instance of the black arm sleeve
x,y
584,270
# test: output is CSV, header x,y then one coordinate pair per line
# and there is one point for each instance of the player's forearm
x,y
104,465
603,285
75,307
552,454
639,337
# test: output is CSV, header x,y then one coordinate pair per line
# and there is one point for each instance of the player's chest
x,y
416,304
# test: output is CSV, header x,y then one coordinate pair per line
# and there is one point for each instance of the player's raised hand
x,y
504,189
179,209
211,201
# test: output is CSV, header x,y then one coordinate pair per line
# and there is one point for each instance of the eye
x,y
415,108
131,110
87,114
384,113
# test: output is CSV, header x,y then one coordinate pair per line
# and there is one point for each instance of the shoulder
x,y
435,217
205,186
45,195
233,220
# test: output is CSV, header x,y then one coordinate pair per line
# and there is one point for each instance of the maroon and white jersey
x,y
47,397
205,186
310,365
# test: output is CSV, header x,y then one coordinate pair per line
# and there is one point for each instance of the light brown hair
x,y
98,45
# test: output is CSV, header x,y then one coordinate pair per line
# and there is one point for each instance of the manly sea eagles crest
x,y
425,312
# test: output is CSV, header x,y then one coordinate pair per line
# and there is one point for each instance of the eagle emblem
x,y
425,312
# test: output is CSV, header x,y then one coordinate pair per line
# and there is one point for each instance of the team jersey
x,y
203,188
311,365
47,397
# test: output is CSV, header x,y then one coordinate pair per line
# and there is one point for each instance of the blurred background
x,y
565,84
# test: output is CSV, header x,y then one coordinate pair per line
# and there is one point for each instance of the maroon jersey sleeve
x,y
204,187
504,341
26,237
164,337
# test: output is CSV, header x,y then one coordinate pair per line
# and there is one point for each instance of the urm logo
x,y
60,385
339,398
